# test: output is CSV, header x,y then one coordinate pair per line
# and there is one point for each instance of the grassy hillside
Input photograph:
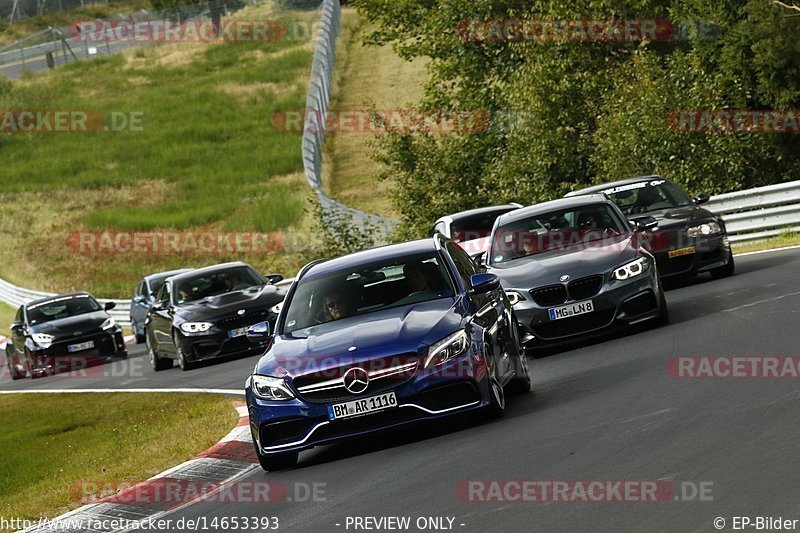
x,y
206,158
367,77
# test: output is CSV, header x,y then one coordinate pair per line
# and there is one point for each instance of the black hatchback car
x,y
687,239
62,333
205,313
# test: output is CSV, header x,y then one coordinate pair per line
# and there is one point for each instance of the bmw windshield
x,y
363,290
555,230
647,196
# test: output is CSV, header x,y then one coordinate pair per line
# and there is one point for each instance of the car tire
x,y
725,271
497,396
663,315
139,338
156,362
183,363
521,382
278,461
12,371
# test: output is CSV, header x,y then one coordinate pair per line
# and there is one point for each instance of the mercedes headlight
x,y
269,388
514,297
448,348
632,269
109,323
43,339
709,228
196,327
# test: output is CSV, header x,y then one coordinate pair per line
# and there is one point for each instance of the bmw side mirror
x,y
258,333
642,223
275,278
482,283
110,305
139,299
701,199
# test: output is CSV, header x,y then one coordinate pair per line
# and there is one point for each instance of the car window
x,y
216,283
476,226
140,290
367,289
63,307
556,230
19,315
464,264
646,196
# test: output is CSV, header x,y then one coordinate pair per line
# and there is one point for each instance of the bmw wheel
x,y
156,362
181,353
725,271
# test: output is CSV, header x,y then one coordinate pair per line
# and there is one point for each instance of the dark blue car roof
x,y
373,255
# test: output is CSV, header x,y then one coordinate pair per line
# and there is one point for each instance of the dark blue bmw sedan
x,y
380,338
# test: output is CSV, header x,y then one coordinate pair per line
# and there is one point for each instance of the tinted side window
x,y
464,264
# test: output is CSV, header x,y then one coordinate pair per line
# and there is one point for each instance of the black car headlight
x,y
514,297
703,230
270,388
448,348
632,269
43,339
196,327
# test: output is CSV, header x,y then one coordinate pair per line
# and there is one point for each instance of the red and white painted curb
x,y
230,459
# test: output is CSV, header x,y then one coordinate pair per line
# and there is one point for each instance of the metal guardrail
x,y
317,100
760,213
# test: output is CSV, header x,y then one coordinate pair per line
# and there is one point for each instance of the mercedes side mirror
x,y
275,278
258,333
482,283
16,326
701,199
110,305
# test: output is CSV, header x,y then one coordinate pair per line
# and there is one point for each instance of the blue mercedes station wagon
x,y
381,338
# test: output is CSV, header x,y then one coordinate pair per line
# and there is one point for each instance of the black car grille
x,y
448,396
583,288
104,343
348,426
676,265
641,304
284,431
240,321
573,325
386,373
550,295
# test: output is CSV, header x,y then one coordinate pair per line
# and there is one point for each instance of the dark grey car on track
x,y
687,239
574,266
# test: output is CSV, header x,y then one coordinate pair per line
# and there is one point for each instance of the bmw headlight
x,y
269,388
709,228
632,269
448,348
514,297
109,323
196,327
43,339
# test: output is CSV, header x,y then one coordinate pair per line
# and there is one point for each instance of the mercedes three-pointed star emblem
x,y
356,380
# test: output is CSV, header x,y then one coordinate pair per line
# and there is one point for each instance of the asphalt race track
x,y
606,411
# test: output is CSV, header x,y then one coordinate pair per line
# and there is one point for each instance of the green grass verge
x,y
107,438
208,158
6,318
367,77
785,239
